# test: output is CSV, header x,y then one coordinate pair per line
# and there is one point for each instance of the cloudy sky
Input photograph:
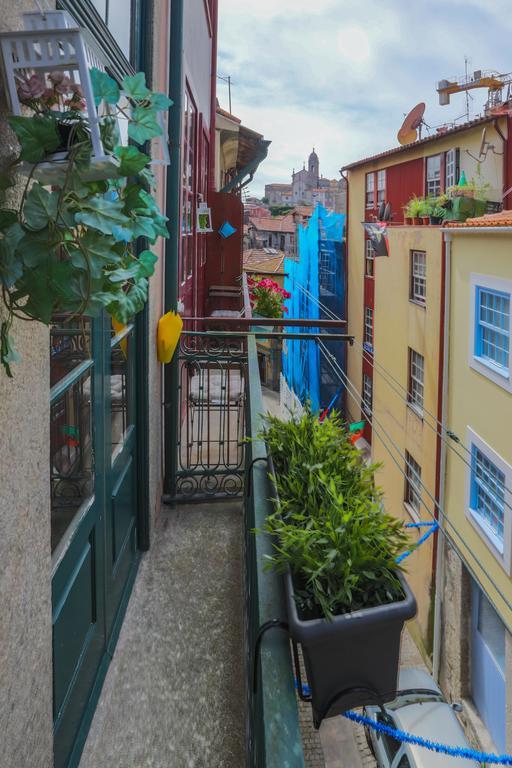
x,y
341,74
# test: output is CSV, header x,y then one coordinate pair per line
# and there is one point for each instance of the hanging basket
x,y
52,43
352,656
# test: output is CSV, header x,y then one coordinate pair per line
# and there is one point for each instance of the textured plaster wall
x,y
485,254
25,573
399,325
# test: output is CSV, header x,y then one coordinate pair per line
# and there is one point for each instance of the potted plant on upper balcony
x,y
412,210
425,209
267,297
438,211
347,599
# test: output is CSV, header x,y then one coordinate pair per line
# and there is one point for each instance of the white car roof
x,y
436,721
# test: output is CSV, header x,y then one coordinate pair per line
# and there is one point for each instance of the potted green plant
x,y
347,599
413,209
425,210
71,249
438,212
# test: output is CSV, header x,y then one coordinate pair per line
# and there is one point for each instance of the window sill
x,y
411,512
421,304
487,531
416,410
497,369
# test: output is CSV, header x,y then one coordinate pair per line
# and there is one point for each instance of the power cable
x,y
358,399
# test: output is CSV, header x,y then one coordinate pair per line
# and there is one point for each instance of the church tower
x,y
314,167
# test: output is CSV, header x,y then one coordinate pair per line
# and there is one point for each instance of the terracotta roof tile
x,y
274,223
260,260
426,140
502,219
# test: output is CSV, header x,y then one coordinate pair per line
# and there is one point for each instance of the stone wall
x,y
456,625
25,552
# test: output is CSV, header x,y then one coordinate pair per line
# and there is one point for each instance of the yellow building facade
x,y
476,622
398,334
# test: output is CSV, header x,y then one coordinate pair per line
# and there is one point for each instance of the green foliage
x,y
329,523
280,210
413,207
72,250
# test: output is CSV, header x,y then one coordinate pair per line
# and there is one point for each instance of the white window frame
x,y
418,278
367,404
370,188
416,385
450,168
501,550
500,376
381,186
368,326
369,258
433,181
413,487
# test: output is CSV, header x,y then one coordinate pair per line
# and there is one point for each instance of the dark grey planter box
x,y
355,650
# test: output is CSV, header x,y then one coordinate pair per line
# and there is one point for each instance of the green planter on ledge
x,y
347,599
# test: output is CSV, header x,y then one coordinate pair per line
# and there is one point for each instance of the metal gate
x,y
210,453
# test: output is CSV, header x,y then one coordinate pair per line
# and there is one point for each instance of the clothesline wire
x,y
444,433
351,389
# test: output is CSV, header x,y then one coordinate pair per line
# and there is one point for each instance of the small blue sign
x,y
227,230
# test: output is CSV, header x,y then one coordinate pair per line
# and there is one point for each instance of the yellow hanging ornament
x,y
168,335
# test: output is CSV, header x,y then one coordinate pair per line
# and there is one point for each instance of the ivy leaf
x,y
35,248
131,160
98,253
147,261
7,218
122,275
8,352
40,207
11,266
104,87
109,132
143,125
37,136
102,214
143,226
160,101
148,177
136,86
123,234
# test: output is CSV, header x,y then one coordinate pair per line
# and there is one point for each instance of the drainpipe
x,y
440,559
213,104
172,245
505,152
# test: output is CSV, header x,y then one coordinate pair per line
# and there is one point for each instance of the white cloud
x,y
340,74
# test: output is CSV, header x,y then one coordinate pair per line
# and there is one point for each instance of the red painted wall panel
x,y
224,255
402,182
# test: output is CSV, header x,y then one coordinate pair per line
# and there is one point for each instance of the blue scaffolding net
x,y
316,281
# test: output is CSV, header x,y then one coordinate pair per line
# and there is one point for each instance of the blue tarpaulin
x,y
316,280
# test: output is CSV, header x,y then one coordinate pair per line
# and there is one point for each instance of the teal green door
x,y
94,514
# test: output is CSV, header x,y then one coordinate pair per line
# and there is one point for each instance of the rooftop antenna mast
x,y
228,81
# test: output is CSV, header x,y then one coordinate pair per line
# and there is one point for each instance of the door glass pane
x,y
70,345
492,630
71,459
120,391
101,7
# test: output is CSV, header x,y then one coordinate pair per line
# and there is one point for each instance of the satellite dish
x,y
408,133
387,212
380,214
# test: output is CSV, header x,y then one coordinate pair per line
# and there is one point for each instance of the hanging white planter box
x,y
51,45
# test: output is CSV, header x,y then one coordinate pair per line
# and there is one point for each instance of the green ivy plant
x,y
71,249
329,525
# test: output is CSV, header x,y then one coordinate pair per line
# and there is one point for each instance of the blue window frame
x,y
492,328
487,499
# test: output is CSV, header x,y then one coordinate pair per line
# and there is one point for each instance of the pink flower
x,y
60,82
31,88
